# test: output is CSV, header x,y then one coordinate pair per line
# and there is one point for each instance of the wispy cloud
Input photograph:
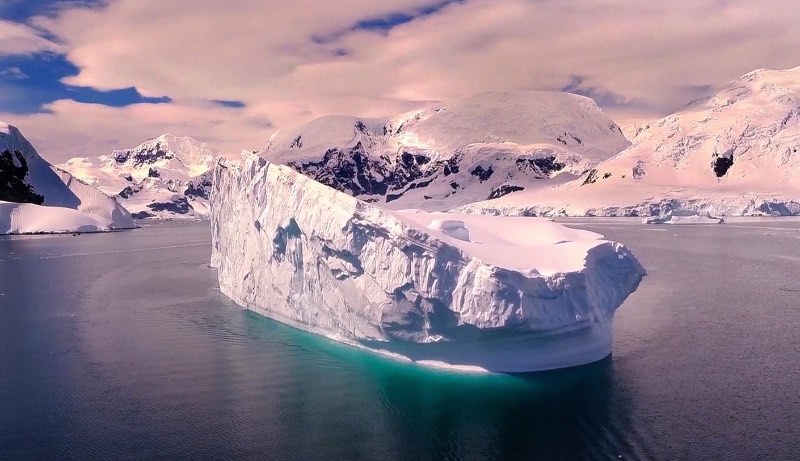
x,y
17,38
13,73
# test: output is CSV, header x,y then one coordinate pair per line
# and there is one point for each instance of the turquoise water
x,y
120,346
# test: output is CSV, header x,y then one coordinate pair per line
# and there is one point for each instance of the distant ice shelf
x,y
503,294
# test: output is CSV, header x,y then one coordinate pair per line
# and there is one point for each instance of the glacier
x,y
733,153
503,294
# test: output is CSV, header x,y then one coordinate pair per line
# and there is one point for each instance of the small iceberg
x,y
684,217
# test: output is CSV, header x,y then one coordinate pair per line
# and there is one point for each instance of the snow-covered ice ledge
x,y
504,294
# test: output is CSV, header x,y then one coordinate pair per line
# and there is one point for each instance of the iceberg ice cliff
x,y
505,294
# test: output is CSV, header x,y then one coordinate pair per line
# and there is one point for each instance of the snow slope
x,y
166,177
736,152
468,150
495,293
25,177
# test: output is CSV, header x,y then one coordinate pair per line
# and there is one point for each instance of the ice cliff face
x,y
25,177
736,152
164,178
497,293
471,149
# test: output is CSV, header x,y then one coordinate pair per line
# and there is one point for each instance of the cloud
x,y
17,38
92,129
14,73
288,62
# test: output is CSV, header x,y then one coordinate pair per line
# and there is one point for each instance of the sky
x,y
84,77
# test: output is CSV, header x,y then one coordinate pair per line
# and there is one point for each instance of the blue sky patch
x,y
383,24
22,10
229,103
392,20
27,83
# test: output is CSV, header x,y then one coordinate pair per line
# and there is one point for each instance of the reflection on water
x,y
134,354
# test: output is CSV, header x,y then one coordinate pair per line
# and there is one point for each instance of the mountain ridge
x,y
452,153
166,177
735,152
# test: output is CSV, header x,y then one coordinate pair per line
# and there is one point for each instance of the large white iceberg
x,y
507,294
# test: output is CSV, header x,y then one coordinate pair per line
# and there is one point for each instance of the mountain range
x,y
166,177
735,152
471,149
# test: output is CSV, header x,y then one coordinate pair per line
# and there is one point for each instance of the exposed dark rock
x,y
129,191
355,172
721,165
179,206
143,157
505,189
544,165
481,173
141,215
13,187
591,177
199,187
351,171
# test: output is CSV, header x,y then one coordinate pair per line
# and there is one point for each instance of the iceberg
x,y
29,218
684,217
496,293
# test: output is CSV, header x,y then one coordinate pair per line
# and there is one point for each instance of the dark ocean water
x,y
120,346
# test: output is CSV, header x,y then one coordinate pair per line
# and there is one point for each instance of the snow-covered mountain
x,y
736,152
34,195
166,177
452,154
497,293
